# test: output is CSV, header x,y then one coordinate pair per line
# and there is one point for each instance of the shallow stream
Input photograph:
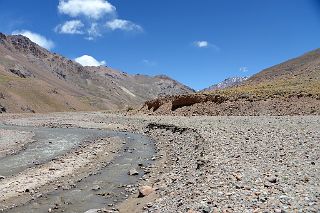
x,y
95,191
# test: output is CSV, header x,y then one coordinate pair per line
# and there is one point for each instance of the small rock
x,y
206,209
272,179
247,187
133,172
2,177
96,188
267,184
93,211
238,177
145,191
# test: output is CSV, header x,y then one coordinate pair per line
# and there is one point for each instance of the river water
x,y
94,192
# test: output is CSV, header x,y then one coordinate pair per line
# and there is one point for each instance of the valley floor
x,y
206,164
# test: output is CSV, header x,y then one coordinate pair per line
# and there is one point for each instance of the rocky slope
x,y
290,88
33,79
229,82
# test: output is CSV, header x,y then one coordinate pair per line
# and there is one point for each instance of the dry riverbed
x,y
213,164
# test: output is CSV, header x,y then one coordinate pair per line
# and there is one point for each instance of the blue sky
x,y
197,42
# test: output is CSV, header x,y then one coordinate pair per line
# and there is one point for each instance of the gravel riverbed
x,y
217,164
12,141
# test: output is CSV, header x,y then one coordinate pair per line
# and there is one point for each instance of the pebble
x,y
133,172
272,179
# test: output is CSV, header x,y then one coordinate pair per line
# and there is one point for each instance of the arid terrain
x,y
159,106
228,150
201,164
290,88
33,79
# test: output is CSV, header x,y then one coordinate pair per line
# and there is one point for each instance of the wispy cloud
x,y
87,60
36,38
70,27
243,69
93,32
205,44
149,63
120,24
94,9
201,44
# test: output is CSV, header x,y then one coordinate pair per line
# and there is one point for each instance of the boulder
x,y
145,191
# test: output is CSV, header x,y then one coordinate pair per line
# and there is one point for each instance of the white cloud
x,y
94,17
120,24
70,27
243,69
87,60
201,44
36,38
205,44
94,9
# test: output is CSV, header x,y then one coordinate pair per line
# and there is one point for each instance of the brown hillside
x,y
33,79
290,88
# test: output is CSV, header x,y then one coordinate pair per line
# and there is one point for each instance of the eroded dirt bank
x,y
241,105
218,164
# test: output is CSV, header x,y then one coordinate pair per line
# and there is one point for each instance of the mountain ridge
x,y
289,88
32,79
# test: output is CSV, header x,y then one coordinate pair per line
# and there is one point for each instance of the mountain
x,y
32,79
289,88
296,77
229,82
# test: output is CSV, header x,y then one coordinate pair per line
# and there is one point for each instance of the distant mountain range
x,y
229,82
32,79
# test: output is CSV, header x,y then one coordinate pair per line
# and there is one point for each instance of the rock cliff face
x,y
290,88
32,79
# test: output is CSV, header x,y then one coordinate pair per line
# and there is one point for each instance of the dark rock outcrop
x,y
20,71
